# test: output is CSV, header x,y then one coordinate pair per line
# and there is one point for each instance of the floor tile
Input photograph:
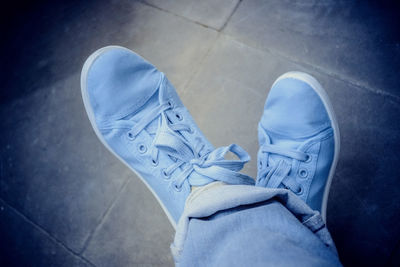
x,y
355,41
367,174
72,33
135,233
174,45
210,13
23,244
53,168
364,187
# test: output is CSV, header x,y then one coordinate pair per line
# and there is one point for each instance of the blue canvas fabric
x,y
299,139
238,225
138,116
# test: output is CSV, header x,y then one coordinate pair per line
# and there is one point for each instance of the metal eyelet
x,y
303,173
179,116
131,136
300,191
142,148
154,162
309,158
165,174
177,188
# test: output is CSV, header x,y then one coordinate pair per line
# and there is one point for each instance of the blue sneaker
x,y
299,139
138,116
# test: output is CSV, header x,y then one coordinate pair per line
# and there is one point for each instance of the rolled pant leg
x,y
251,226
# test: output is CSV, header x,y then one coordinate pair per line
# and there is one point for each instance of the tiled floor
x,y
66,201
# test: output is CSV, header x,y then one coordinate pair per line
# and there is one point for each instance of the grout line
x,y
230,16
323,71
334,75
44,232
246,89
337,76
104,216
200,65
177,15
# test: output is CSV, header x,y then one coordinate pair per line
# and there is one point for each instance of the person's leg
x,y
251,226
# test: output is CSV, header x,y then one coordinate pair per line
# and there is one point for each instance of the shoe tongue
x,y
152,127
162,96
159,97
196,179
152,103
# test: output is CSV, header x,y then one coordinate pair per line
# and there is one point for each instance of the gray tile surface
x,y
363,195
135,233
61,41
351,40
210,13
23,244
54,170
67,198
175,45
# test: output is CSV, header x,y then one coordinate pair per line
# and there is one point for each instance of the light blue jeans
x,y
238,225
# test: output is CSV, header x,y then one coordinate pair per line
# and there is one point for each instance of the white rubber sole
x,y
88,63
325,99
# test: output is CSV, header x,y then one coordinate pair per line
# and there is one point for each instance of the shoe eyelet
x,y
191,131
308,159
260,165
179,116
177,188
154,162
303,173
300,191
142,148
131,136
169,103
165,174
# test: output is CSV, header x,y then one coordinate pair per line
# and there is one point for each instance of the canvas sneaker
x,y
138,116
299,139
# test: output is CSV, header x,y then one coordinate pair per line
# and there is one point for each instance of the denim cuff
x,y
213,198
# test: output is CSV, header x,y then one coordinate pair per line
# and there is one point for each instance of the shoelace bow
x,y
277,174
192,157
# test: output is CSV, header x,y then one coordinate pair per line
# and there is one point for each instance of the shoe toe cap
x,y
295,109
118,82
